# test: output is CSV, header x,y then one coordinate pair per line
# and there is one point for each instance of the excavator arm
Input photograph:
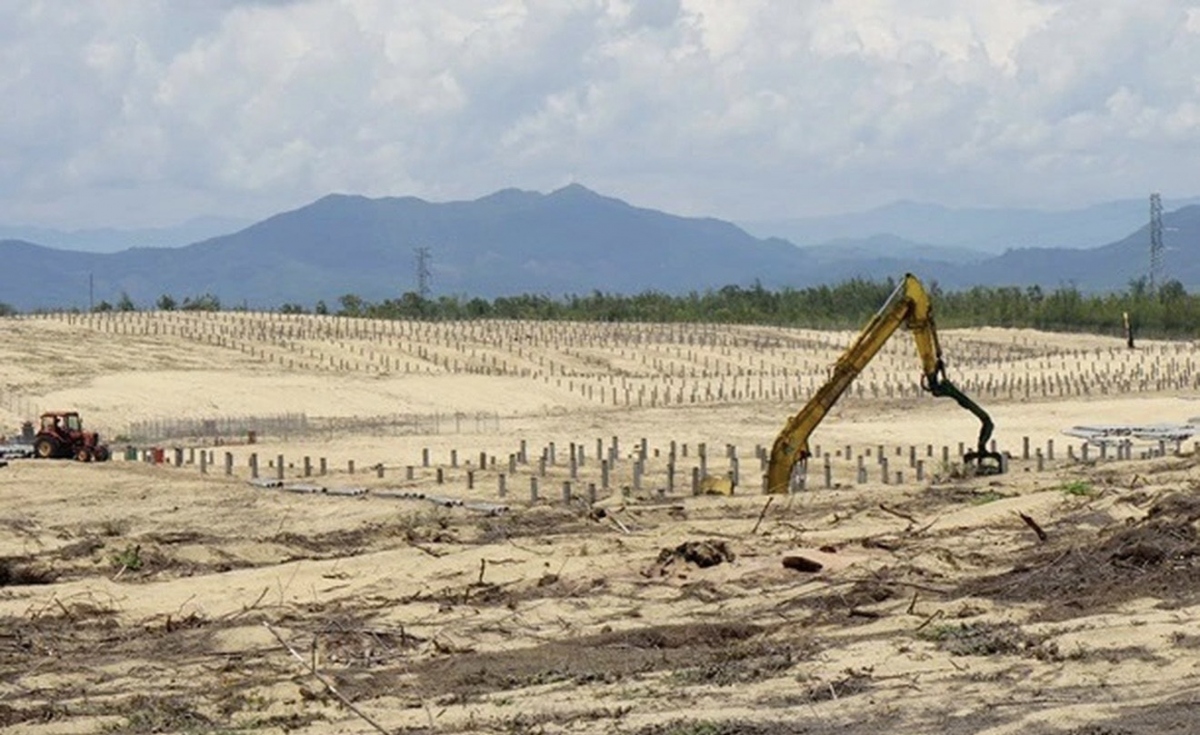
x,y
909,306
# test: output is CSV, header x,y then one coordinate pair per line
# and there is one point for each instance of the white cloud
x,y
128,112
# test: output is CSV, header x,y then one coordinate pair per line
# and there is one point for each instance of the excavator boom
x,y
909,305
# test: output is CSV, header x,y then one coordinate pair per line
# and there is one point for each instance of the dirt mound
x,y
1158,557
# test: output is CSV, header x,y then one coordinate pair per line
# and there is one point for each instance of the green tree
x,y
125,303
352,305
1171,311
166,303
478,308
1172,292
204,302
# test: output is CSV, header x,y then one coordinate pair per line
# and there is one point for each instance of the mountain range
x,y
572,240
989,230
111,240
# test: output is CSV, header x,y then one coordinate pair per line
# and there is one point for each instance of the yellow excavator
x,y
909,305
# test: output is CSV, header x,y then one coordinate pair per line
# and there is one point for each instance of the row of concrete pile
x,y
389,493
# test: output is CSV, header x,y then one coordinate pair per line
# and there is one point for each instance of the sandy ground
x,y
152,598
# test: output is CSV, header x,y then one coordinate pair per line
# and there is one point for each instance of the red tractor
x,y
61,436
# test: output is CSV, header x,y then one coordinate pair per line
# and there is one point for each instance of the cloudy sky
x,y
148,112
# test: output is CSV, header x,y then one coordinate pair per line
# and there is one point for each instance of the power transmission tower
x,y
423,273
1156,242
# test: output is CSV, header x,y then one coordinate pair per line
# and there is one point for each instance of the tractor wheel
x,y
46,448
102,454
83,454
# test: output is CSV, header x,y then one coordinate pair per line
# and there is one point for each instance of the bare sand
x,y
148,598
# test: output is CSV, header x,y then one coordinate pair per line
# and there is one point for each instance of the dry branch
x,y
623,528
898,514
937,614
1042,537
762,515
246,608
325,682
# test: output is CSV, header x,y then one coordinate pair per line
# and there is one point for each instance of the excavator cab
x,y
909,306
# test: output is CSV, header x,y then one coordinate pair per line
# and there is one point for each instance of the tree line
x,y
1165,311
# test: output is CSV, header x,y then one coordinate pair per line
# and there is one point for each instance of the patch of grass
x,y
1079,488
965,494
145,714
987,496
129,558
535,723
988,639
739,667
727,727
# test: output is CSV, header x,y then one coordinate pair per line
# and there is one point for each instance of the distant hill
x,y
1111,267
989,230
114,240
572,240
109,240
569,241
863,250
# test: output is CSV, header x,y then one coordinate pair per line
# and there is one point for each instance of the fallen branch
x,y
245,608
1036,528
937,614
898,514
435,554
872,542
762,515
325,682
926,527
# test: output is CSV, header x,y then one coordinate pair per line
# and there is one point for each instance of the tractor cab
x,y
62,423
61,436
